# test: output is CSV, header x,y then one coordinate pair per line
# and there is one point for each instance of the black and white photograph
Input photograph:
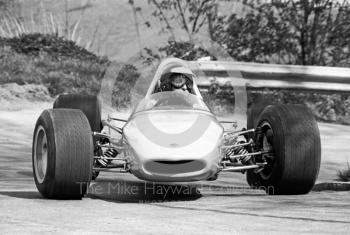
x,y
174,117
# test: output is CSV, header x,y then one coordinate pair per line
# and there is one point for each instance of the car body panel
x,y
187,141
172,135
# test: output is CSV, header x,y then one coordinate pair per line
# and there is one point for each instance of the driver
x,y
178,82
177,79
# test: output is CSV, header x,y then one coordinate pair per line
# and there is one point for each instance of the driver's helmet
x,y
181,79
178,81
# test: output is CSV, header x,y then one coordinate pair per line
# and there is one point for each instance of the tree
x,y
306,32
182,50
6,5
136,23
189,15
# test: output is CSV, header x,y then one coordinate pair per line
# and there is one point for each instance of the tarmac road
x,y
123,204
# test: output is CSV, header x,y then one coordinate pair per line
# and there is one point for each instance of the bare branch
x,y
170,29
199,13
183,19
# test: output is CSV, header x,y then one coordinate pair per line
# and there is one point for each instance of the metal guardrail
x,y
259,76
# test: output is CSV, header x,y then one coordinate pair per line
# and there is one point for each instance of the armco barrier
x,y
259,76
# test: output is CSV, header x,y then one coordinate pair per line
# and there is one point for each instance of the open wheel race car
x,y
172,136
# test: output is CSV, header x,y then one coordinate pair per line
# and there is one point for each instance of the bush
x,y
123,85
61,66
59,76
344,175
55,46
325,107
182,50
17,68
220,100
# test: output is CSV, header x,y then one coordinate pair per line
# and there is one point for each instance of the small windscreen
x,y
170,100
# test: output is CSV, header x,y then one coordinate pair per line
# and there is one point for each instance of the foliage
x,y
150,56
182,50
311,32
66,75
344,175
123,85
307,32
190,16
45,22
325,107
5,4
62,66
55,46
219,105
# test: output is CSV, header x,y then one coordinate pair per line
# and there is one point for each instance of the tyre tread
x,y
71,158
298,144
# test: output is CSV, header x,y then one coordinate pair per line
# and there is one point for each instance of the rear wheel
x,y
254,111
91,107
291,133
88,104
62,154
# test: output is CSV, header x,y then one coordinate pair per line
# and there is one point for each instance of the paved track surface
x,y
124,204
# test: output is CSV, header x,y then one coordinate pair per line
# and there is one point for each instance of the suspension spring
x,y
240,150
110,153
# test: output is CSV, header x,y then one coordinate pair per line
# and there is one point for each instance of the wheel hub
x,y
40,154
267,142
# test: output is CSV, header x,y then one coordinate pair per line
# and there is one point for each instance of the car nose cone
x,y
177,134
173,129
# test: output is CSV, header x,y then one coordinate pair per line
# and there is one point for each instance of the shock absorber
x,y
240,150
107,155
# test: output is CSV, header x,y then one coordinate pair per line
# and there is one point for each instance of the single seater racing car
x,y
172,136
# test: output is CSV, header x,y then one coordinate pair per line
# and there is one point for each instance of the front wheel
x,y
62,154
90,105
291,134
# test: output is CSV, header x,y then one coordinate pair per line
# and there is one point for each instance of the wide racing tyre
x,y
254,112
255,109
62,154
90,106
291,133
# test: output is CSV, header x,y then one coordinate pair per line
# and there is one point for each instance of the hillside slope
x,y
110,24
